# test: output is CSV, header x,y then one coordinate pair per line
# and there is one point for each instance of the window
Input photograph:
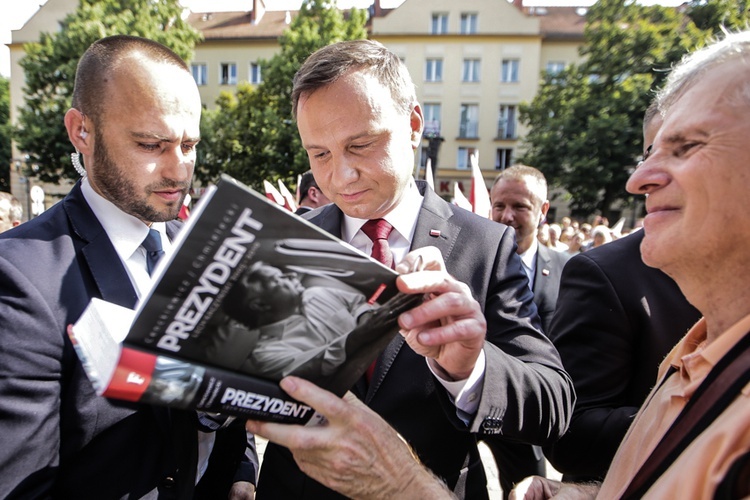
x,y
439,24
255,76
503,159
468,24
463,157
554,67
228,74
471,70
469,126
506,124
509,71
200,73
431,120
434,70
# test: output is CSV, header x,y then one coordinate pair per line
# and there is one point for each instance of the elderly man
x,y
683,443
489,367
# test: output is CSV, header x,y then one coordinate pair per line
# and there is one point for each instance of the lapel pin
x,y
434,233
545,272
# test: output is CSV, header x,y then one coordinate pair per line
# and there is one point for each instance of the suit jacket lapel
x,y
542,264
111,279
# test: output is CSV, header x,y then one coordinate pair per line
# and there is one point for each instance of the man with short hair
x,y
135,118
477,361
11,211
519,200
696,178
310,195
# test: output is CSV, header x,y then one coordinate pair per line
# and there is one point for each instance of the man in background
x,y
519,200
310,195
11,211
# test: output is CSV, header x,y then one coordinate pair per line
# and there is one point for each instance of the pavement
x,y
493,483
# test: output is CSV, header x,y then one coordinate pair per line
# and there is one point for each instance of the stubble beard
x,y
120,190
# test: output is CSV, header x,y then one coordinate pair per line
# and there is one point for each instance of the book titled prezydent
x,y
249,294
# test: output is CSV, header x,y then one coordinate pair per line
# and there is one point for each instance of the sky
x,y
17,12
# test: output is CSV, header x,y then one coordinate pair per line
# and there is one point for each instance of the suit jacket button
x,y
492,424
168,482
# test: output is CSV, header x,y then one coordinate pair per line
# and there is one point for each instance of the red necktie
x,y
378,231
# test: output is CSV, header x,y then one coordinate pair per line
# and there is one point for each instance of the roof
x,y
239,25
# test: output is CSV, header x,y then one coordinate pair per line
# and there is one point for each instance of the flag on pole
x,y
289,202
428,174
479,197
185,208
459,198
272,193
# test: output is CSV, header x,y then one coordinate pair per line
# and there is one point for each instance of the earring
x,y
75,158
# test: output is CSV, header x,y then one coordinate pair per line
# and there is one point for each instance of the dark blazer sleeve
x,y
595,339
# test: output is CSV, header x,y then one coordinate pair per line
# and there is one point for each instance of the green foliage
x,y
5,152
586,123
50,65
251,135
711,15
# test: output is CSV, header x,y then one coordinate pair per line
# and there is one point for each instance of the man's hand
x,y
356,453
449,325
540,488
242,490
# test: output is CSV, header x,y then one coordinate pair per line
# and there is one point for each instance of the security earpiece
x,y
84,134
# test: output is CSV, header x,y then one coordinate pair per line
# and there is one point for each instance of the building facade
x,y
473,63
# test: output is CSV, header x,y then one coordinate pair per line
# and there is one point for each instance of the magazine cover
x,y
252,293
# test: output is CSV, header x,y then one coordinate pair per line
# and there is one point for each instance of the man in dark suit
x,y
616,320
488,367
310,195
135,118
519,200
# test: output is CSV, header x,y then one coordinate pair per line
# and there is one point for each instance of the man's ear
x,y
545,209
78,134
416,120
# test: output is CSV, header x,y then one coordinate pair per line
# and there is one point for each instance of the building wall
x,y
503,32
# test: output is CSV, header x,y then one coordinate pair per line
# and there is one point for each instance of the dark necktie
x,y
378,231
154,251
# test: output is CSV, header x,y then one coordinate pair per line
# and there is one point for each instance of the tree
x,y
586,122
50,65
5,152
251,135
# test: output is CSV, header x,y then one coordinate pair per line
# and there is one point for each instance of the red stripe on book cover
x,y
377,293
132,375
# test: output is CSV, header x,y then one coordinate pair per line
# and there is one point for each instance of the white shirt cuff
x,y
466,393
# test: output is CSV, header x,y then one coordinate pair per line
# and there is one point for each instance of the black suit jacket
x,y
59,438
549,266
527,396
616,319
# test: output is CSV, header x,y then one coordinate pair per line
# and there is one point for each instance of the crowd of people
x,y
626,362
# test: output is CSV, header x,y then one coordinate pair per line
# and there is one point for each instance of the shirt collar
x,y
529,256
124,231
403,217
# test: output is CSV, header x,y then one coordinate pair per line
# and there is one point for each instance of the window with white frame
x,y
469,126
200,73
468,23
464,153
434,70
439,24
506,123
471,70
255,75
432,119
510,71
503,158
228,74
555,67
